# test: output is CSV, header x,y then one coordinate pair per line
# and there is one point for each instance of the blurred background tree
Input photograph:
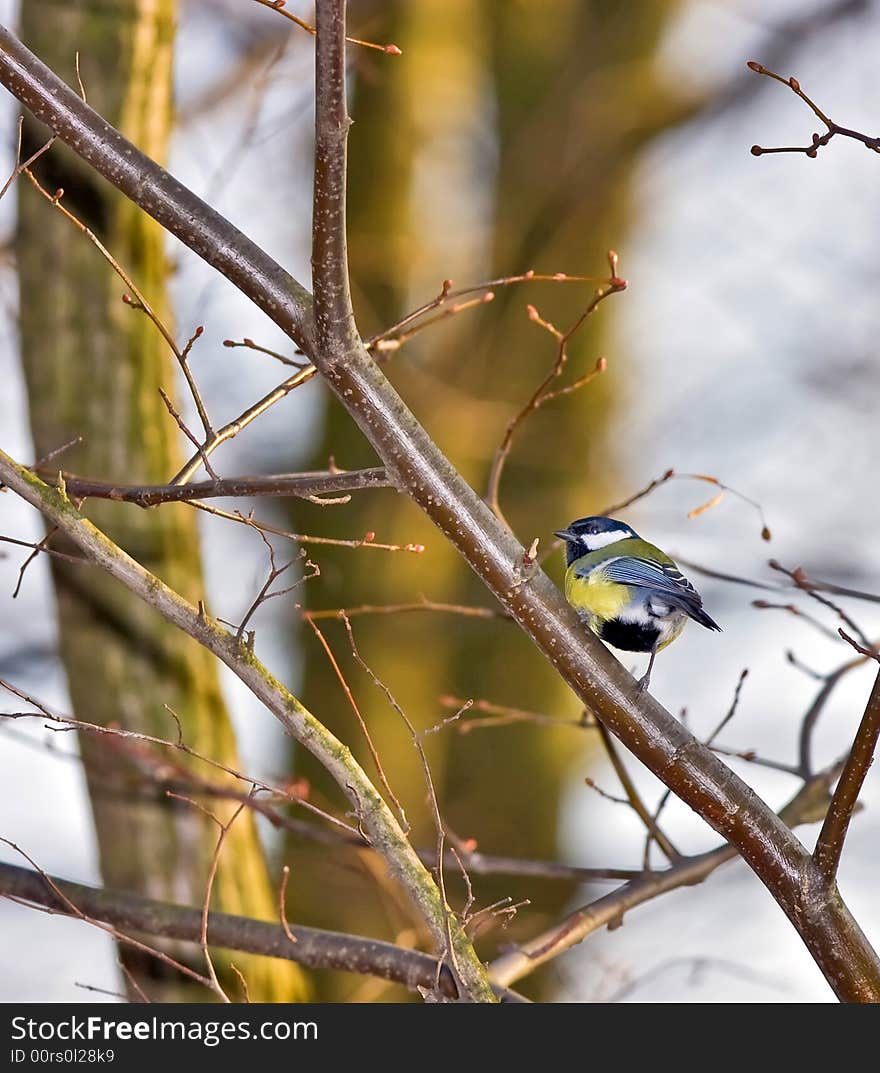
x,y
94,368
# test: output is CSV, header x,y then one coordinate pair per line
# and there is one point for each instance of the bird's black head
x,y
590,534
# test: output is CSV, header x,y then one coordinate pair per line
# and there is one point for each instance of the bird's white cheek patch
x,y
601,540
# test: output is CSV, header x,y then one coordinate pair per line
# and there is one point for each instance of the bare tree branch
x,y
829,845
609,911
818,141
378,821
299,485
314,948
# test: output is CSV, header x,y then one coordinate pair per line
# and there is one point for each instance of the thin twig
x,y
231,429
20,166
282,904
40,547
792,609
337,670
135,299
249,344
43,545
818,141
710,741
634,798
390,338
423,604
802,582
275,572
193,439
544,392
439,826
68,723
69,907
224,829
610,910
366,541
499,715
279,5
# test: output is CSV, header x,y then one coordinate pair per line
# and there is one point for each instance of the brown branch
x,y
232,428
335,329
818,141
503,715
422,604
278,5
802,582
610,910
338,833
68,723
544,392
265,594
299,485
249,344
439,826
368,540
63,903
634,798
653,734
840,590
392,338
365,730
313,947
829,845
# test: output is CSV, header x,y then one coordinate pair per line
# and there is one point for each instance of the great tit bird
x,y
627,592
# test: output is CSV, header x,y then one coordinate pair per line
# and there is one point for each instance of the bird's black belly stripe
x,y
630,636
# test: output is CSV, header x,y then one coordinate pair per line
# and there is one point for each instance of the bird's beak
x,y
563,534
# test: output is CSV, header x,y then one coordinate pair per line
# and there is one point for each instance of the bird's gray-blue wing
x,y
665,579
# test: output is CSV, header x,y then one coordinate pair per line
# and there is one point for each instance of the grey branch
x,y
314,947
299,485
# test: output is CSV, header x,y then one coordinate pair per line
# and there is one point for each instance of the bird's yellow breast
x,y
595,595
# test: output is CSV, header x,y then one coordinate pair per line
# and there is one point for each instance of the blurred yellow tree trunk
x,y
94,368
501,140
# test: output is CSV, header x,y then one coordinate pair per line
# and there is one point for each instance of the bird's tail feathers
x,y
697,613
